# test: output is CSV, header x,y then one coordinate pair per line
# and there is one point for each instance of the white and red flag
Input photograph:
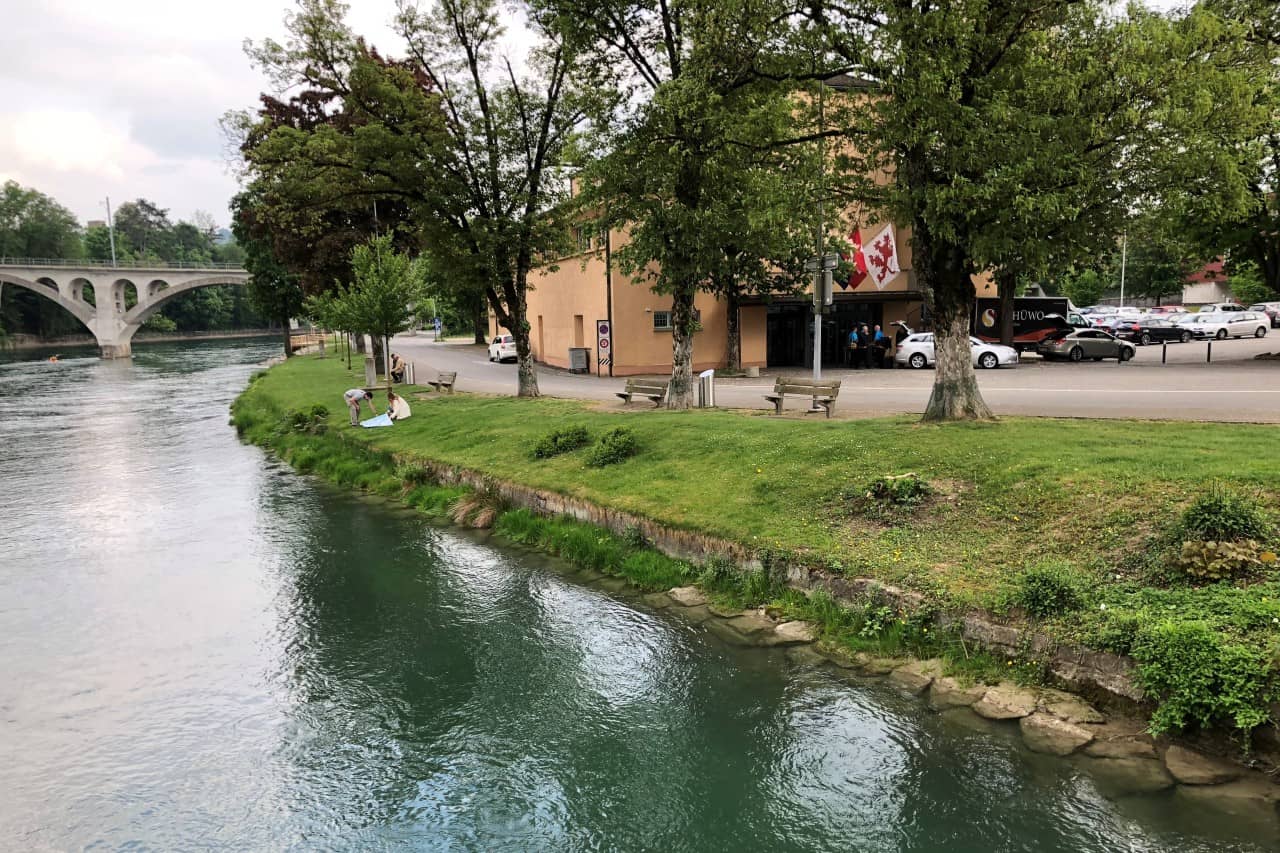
x,y
882,257
858,274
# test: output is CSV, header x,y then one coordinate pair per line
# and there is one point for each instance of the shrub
x,y
1198,679
1225,515
890,495
634,537
1048,589
561,441
616,445
414,474
311,421
1216,561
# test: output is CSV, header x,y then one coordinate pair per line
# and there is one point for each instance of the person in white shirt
x,y
397,406
354,398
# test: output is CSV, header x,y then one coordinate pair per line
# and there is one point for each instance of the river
x,y
201,649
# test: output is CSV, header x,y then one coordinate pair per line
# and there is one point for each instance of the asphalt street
x,y
1232,387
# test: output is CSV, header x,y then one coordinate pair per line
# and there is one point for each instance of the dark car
x,y
1150,330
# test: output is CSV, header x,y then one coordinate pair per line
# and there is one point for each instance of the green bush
x,y
1223,515
561,441
889,496
1199,679
414,474
1216,561
616,445
1048,590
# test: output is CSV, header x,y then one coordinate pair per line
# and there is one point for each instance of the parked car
x,y
1086,343
917,351
502,348
1150,330
1227,324
1219,307
1271,309
1167,309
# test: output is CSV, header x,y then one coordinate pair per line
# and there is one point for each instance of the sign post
x,y
604,347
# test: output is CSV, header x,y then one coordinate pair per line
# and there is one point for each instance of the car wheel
x,y
1146,339
1185,337
490,357
1125,354
988,361
1222,335
1261,333
918,361
1076,354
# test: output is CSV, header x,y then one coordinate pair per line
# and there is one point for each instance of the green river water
x,y
200,649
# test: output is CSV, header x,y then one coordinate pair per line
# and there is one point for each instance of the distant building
x,y
95,223
1208,284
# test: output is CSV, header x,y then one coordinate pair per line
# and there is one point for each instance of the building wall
x,y
566,299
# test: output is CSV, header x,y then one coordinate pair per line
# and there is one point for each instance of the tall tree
x,y
147,227
34,225
997,143
275,291
470,148
705,95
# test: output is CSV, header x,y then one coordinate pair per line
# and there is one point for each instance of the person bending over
x,y
354,398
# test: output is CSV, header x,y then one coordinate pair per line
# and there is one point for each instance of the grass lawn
x,y
1093,498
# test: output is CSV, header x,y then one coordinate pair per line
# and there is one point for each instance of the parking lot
x,y
1233,387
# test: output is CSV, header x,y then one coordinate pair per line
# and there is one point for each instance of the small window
x,y
662,321
583,236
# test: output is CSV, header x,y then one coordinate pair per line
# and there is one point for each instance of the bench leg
x,y
828,407
777,406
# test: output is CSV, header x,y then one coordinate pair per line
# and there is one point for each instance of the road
x,y
1233,387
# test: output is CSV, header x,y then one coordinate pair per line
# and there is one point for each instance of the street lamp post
x,y
111,232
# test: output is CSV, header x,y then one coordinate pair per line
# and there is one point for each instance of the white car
x,y
502,348
917,351
1226,324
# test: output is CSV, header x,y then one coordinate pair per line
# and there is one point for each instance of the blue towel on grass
x,y
379,421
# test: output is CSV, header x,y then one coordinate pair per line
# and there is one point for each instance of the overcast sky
x,y
122,99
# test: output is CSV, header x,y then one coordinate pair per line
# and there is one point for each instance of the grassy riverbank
x,y
1071,519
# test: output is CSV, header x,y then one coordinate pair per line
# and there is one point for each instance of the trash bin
x,y
579,360
707,389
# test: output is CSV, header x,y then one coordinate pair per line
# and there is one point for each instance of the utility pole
x,y
1124,250
111,231
819,298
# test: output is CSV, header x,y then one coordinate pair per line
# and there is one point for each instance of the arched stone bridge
x,y
106,317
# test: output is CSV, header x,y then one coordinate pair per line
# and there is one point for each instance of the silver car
x,y
1079,344
917,351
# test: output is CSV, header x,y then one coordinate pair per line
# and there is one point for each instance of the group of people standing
x,y
868,347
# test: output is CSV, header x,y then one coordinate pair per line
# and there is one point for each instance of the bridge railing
x,y
123,265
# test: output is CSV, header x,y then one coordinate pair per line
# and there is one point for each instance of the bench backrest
x,y
806,387
646,386
447,377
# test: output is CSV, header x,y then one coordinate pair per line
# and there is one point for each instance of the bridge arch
x,y
157,297
47,288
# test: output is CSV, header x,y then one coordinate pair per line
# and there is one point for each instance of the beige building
x,y
568,298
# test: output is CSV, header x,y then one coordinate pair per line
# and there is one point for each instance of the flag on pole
x,y
858,274
882,258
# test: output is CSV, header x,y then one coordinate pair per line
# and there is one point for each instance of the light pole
x,y
1124,250
111,232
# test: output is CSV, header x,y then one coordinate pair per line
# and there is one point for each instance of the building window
x,y
582,237
662,321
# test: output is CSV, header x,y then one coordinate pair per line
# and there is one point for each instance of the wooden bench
x,y
444,381
651,388
821,393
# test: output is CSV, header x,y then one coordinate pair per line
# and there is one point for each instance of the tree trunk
x,y
733,308
360,344
955,394
480,315
288,344
518,325
1006,285
680,391
379,354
